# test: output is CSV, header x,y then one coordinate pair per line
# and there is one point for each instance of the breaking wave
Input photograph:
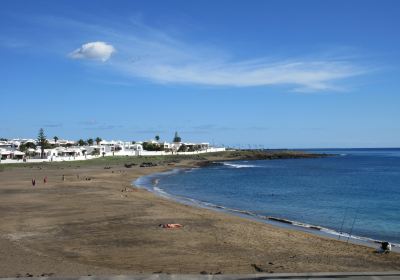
x,y
235,165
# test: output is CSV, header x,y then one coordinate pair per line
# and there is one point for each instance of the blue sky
x,y
281,74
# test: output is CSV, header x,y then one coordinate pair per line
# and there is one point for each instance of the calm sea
x,y
357,191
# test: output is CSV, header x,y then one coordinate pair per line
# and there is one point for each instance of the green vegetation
x,y
42,142
28,145
152,146
191,148
157,138
90,141
95,152
201,159
98,140
81,142
177,139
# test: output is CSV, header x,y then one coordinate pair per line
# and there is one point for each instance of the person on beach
x,y
63,177
33,182
45,179
386,247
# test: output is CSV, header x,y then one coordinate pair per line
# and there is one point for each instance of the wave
x,y
235,165
154,179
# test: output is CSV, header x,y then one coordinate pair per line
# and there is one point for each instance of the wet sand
x,y
95,223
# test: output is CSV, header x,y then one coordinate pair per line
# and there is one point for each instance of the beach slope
x,y
94,223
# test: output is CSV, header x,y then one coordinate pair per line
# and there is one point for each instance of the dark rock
x,y
129,165
257,268
148,164
46,274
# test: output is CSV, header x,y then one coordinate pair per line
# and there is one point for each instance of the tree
x,y
98,140
90,141
55,139
42,142
157,138
81,142
25,146
177,139
183,148
148,146
30,145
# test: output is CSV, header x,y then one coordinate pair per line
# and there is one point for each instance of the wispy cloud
x,y
149,131
154,55
53,125
103,127
12,43
210,127
96,125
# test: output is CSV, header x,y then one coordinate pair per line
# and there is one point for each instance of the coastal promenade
x,y
277,276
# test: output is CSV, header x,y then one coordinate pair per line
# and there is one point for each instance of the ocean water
x,y
355,192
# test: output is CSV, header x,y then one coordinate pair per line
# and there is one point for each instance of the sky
x,y
271,74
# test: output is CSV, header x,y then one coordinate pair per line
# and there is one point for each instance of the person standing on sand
x,y
63,177
45,179
33,182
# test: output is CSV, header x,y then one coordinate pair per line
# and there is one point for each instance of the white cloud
x,y
148,53
94,50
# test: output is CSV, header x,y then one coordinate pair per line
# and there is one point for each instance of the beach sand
x,y
95,223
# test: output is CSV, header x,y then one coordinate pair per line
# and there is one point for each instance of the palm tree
x,y
90,141
98,140
55,139
157,138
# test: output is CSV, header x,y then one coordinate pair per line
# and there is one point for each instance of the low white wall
x,y
50,159
161,153
209,150
110,154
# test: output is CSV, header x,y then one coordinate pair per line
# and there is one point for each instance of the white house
x,y
5,154
11,154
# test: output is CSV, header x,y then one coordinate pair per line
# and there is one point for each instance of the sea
x,y
355,193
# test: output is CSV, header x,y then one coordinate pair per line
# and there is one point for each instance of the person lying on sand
x,y
170,225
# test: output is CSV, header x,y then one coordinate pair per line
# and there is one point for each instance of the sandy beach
x,y
95,223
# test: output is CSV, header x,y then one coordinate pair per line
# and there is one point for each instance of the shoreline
x,y
95,223
271,220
